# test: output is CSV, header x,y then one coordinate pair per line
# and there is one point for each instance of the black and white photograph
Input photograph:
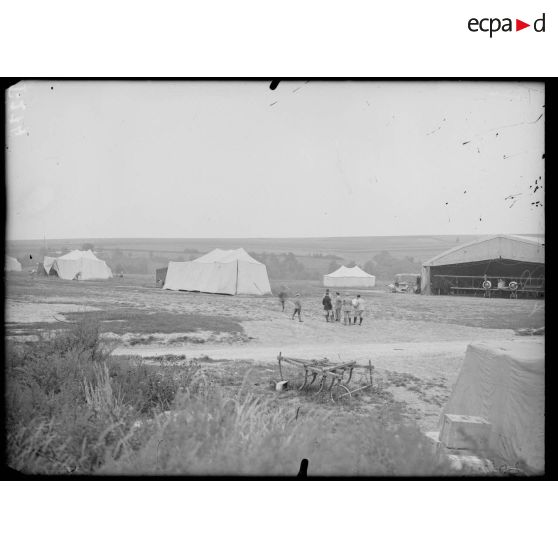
x,y
282,278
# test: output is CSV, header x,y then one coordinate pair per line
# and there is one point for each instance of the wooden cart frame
x,y
338,375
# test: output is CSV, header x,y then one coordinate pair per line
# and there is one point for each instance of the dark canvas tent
x,y
461,270
503,382
161,275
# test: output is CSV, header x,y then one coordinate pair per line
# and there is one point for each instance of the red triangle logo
x,y
519,25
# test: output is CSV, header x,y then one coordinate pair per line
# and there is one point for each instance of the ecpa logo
x,y
494,24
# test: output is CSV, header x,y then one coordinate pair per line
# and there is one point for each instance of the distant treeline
x,y
286,266
283,266
384,266
325,256
279,265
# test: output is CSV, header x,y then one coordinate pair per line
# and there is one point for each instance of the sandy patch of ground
x,y
373,330
30,312
178,341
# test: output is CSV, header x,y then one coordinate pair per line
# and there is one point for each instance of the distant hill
x,y
358,249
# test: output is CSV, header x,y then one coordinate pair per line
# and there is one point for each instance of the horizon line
x,y
259,237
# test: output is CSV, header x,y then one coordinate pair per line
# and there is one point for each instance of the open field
x,y
417,339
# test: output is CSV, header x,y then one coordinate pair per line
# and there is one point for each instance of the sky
x,y
210,159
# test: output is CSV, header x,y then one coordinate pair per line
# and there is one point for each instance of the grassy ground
x,y
132,320
72,409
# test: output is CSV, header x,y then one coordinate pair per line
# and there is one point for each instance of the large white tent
x,y
503,382
498,256
349,277
11,264
77,264
220,271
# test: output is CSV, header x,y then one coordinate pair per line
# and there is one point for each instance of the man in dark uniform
x,y
327,306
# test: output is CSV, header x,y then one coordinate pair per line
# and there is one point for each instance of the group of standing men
x,y
334,310
343,306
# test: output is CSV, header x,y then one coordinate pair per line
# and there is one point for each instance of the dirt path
x,y
268,353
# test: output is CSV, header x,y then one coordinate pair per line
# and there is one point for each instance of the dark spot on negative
x,y
543,156
466,142
273,85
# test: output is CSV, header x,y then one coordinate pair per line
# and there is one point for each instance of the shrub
x,y
43,377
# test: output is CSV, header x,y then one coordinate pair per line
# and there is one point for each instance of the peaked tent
x,y
349,277
503,382
496,256
11,264
77,264
219,271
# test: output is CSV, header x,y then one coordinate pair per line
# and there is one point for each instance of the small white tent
x,y
12,264
77,264
220,271
349,277
503,382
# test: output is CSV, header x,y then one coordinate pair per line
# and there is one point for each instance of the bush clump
x,y
70,406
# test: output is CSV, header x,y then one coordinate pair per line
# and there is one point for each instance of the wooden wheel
x,y
339,391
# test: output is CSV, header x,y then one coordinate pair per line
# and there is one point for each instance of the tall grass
x,y
245,435
73,409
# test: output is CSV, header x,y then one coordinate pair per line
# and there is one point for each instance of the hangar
x,y
514,266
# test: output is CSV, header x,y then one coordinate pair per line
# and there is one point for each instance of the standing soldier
x,y
326,301
486,285
338,306
346,306
358,305
298,307
282,297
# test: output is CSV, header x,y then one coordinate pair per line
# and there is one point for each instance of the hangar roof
x,y
505,246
